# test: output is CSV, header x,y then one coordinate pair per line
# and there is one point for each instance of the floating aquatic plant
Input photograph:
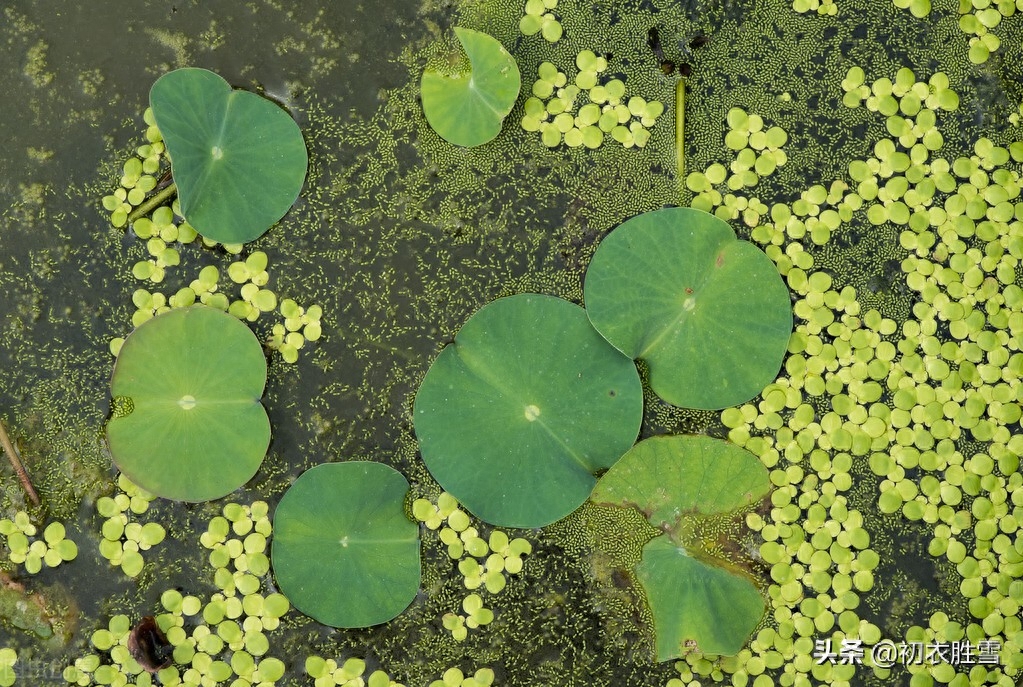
x,y
709,314
607,114
539,18
124,539
454,677
8,674
518,414
699,602
327,673
189,425
238,159
483,563
53,549
468,108
341,527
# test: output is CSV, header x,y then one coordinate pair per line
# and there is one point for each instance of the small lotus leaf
x,y
674,481
238,159
343,551
709,314
194,429
517,415
468,108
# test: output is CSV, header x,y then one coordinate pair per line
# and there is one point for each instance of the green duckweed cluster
x,y
124,539
483,563
758,153
454,677
351,673
139,175
859,394
53,549
539,18
223,639
8,657
822,7
550,110
977,19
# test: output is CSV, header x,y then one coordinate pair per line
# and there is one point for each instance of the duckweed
x,y
327,673
124,539
25,548
454,677
8,657
484,563
607,114
962,261
539,18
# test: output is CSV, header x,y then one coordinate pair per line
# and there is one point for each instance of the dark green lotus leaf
x,y
238,159
190,426
697,600
468,108
516,416
343,551
696,605
709,314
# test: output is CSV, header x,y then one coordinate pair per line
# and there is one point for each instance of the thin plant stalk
x,y
153,203
680,122
19,469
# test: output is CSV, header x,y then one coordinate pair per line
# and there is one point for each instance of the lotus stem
x,y
19,469
153,203
680,123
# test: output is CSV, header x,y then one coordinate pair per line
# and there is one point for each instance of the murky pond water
x,y
399,237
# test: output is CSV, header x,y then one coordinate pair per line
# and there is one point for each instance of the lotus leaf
x,y
709,314
516,416
238,159
192,427
468,108
696,598
343,551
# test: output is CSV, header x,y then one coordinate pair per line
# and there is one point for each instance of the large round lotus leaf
x,y
709,314
238,159
467,108
696,605
188,423
517,415
675,481
343,551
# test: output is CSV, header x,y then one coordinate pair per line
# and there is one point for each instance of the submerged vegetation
x,y
882,184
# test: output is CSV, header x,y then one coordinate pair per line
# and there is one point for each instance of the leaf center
x,y
217,152
187,402
532,412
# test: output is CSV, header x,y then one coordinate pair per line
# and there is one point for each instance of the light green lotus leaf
x,y
467,108
188,384
516,416
343,551
238,159
697,600
709,314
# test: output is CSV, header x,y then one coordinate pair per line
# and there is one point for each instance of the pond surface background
x,y
399,237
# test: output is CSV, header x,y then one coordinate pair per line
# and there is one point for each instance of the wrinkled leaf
x,y
697,600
